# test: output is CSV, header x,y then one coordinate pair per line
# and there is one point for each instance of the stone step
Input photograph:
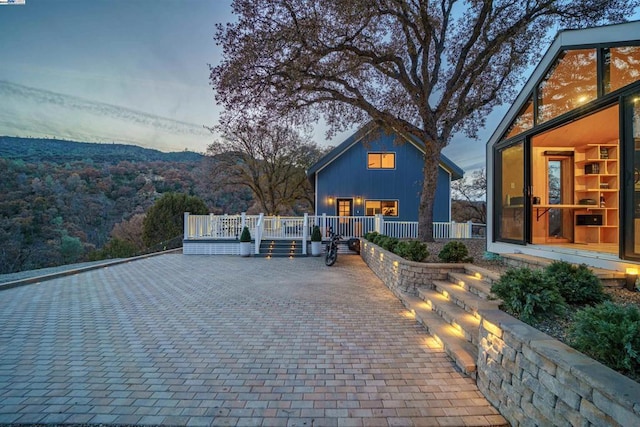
x,y
471,283
463,353
608,277
471,303
456,316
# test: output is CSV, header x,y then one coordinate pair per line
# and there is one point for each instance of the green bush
x,y
316,236
388,243
609,333
528,294
371,235
412,250
115,248
246,235
577,284
378,238
165,219
455,252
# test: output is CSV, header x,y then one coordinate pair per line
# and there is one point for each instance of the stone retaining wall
x,y
402,275
530,377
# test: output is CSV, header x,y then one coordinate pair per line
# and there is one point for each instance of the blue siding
x,y
347,176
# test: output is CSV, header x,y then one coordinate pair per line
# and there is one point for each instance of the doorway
x,y
344,208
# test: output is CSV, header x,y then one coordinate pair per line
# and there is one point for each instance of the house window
x,y
570,83
621,67
384,207
381,160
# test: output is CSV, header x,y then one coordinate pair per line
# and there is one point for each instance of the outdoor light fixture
x,y
358,200
631,275
330,200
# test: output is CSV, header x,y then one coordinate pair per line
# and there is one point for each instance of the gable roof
x,y
575,39
358,136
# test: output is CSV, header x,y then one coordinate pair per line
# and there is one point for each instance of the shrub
x,y
316,236
528,294
246,235
165,219
455,252
378,238
412,250
388,243
577,284
370,236
609,333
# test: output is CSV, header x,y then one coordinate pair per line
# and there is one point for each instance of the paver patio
x,y
202,340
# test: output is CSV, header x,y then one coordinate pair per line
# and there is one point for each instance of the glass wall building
x,y
563,166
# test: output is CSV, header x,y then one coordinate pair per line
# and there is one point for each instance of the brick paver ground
x,y
204,340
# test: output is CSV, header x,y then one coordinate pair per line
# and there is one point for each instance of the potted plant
x,y
316,241
245,242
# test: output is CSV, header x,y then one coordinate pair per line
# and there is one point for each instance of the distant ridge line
x,y
59,150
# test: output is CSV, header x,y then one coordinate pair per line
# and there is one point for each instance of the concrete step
x,y
281,248
463,353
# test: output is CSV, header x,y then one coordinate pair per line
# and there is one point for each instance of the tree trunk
x,y
427,197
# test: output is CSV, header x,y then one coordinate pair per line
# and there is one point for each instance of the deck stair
x,y
448,310
281,248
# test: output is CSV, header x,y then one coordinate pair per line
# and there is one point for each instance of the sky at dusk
x,y
132,72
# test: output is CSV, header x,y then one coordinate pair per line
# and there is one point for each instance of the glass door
x,y
344,209
511,197
631,212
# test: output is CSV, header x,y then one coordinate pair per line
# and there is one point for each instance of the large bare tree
x,y
269,158
423,69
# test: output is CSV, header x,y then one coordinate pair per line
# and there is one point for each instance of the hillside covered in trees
x,y
60,200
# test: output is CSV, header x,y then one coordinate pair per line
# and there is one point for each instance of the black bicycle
x,y
332,248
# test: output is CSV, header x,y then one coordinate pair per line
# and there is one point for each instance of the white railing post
x,y
324,224
378,224
305,233
258,237
243,220
210,225
186,225
469,233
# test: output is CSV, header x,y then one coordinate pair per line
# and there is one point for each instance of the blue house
x,y
370,173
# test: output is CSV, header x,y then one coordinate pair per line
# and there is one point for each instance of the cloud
x,y
29,111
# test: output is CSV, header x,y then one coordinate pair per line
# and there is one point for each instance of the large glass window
x,y
384,207
635,134
621,67
381,160
571,82
523,122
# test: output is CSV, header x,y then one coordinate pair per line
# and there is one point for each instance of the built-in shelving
x,y
596,179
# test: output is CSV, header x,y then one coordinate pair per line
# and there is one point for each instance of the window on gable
x,y
381,160
621,67
570,83
523,122
384,207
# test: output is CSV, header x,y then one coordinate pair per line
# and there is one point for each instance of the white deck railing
x,y
229,227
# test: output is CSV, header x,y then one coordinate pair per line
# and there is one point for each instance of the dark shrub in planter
x,y
316,236
246,235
